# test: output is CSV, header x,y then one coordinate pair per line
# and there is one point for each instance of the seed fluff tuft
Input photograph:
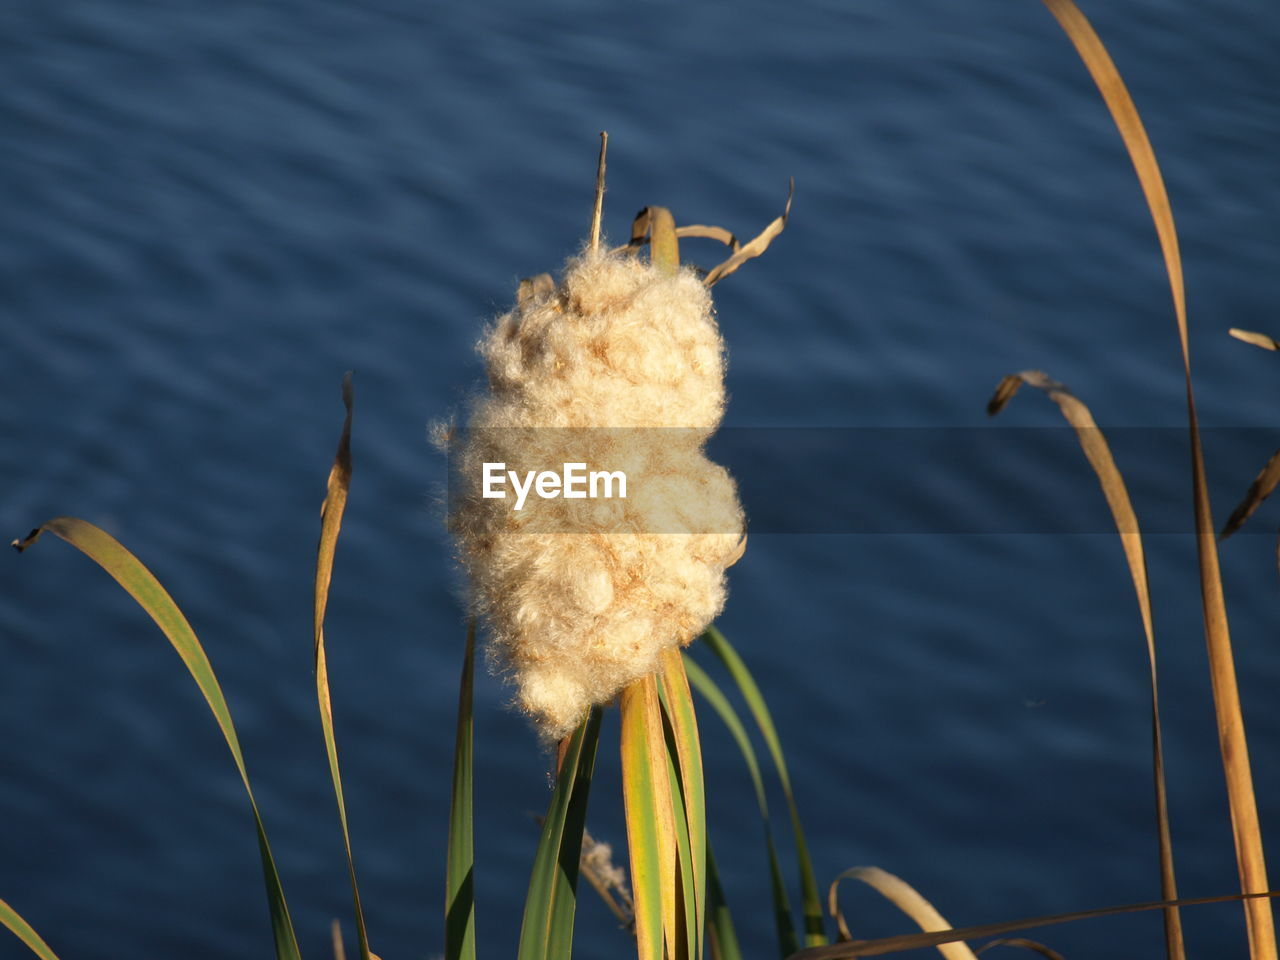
x,y
620,367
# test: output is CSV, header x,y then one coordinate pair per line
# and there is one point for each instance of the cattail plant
x,y
621,365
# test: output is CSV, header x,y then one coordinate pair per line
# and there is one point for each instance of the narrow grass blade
x,y
917,941
709,691
551,903
1262,487
814,932
684,729
335,504
1257,339
722,936
903,896
1098,453
651,831
22,930
1231,734
142,585
460,903
683,930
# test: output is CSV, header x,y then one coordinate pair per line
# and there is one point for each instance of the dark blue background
x,y
209,212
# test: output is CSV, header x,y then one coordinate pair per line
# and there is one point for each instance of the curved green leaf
x,y
684,777
814,930
677,700
722,936
707,688
22,930
651,828
142,585
551,903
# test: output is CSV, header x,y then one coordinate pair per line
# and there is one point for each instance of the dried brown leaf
x,y
903,896
1098,453
1261,488
331,513
754,247
1257,339
701,230
1005,392
1245,827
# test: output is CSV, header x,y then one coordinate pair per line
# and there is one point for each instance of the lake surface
x,y
212,212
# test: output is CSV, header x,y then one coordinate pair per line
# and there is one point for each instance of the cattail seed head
x,y
621,367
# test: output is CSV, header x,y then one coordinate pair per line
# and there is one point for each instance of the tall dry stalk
x,y
1226,695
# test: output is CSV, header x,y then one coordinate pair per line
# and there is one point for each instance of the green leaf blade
x,y
547,930
24,932
722,935
814,928
711,692
460,904
128,571
651,829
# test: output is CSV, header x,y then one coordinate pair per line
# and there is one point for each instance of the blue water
x,y
210,212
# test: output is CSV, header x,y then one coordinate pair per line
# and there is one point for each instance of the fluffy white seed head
x,y
621,368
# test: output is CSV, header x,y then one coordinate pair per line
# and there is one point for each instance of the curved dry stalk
x,y
847,950
331,512
903,896
1099,456
1246,831
595,863
597,211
